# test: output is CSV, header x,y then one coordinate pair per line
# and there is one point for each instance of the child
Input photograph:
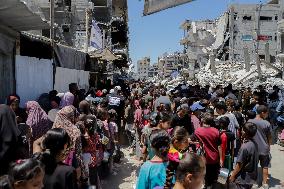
x,y
227,142
190,172
245,173
179,145
153,172
24,174
158,121
56,146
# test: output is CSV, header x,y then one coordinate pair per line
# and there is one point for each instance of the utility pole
x,y
52,25
87,41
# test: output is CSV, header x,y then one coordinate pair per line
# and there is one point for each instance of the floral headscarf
x,y
65,119
37,119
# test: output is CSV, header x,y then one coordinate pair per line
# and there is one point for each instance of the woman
x,y
66,119
13,101
9,137
56,145
37,120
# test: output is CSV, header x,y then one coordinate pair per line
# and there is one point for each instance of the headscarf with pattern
x,y
37,119
65,119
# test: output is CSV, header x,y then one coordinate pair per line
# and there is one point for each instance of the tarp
x,y
104,54
22,15
33,77
65,76
96,39
68,57
153,6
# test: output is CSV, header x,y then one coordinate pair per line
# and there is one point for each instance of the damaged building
x,y
198,37
112,18
242,26
252,26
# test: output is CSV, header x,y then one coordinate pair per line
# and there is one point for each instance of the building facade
x,y
252,26
143,67
170,63
153,70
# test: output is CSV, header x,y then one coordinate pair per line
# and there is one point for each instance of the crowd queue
x,y
183,136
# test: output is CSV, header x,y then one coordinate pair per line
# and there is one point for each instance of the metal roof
x,y
22,15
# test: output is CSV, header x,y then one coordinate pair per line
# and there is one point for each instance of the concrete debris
x,y
235,73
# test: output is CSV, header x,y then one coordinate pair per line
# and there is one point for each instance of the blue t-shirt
x,y
152,174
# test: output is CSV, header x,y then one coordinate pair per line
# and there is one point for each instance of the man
x,y
222,110
196,109
70,98
245,173
163,99
209,137
263,139
182,119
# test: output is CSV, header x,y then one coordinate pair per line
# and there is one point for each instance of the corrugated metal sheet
x,y
7,77
65,76
153,6
33,77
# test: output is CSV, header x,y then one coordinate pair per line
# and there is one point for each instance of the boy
x,y
244,174
263,139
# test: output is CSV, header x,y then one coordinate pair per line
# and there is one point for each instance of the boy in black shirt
x,y
245,173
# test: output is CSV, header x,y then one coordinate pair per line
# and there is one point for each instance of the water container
x,y
223,176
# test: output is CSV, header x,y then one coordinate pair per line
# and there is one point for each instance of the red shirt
x,y
224,142
209,136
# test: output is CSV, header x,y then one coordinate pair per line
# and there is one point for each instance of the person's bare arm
x,y
220,155
37,145
234,173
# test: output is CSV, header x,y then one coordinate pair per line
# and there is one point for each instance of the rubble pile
x,y
236,74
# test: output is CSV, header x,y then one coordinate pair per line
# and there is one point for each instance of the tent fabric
x,y
22,15
104,54
153,6
65,76
33,77
67,57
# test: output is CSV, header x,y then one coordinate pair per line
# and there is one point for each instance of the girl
x,y
158,121
56,146
190,172
26,174
153,172
179,145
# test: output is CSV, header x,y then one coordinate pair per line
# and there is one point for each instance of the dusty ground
x,y
127,171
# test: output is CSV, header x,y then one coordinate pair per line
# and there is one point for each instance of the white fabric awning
x,y
22,15
104,54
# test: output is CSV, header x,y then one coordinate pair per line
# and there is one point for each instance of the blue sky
x,y
156,34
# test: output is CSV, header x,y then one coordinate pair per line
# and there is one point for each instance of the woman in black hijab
x,y
9,138
14,101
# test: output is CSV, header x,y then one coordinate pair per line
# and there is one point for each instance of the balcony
x,y
281,26
185,25
184,41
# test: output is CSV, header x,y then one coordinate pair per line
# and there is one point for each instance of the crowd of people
x,y
183,136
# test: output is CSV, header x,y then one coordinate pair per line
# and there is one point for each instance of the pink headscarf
x,y
37,119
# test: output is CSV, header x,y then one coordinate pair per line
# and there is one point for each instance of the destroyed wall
x,y
200,37
252,26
